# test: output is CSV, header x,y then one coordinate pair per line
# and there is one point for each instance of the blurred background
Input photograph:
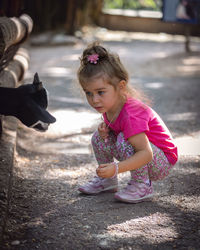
x,y
69,16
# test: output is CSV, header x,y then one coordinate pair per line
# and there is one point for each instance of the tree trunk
x,y
82,12
71,17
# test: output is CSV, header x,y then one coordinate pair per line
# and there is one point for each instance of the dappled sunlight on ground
x,y
184,202
56,71
105,35
182,116
73,57
154,226
190,65
66,100
188,70
154,85
188,145
160,54
76,144
71,121
63,173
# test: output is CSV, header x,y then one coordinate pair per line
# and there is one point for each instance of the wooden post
x,y
13,31
13,60
14,72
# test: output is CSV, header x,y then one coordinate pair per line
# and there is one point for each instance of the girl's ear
x,y
122,85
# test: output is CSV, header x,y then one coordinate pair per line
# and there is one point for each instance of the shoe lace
x,y
135,185
130,185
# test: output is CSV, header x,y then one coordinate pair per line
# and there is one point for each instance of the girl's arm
x,y
143,155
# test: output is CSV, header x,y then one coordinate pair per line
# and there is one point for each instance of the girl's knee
x,y
120,138
121,142
159,167
124,148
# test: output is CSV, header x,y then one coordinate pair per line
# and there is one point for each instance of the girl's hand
x,y
106,170
103,130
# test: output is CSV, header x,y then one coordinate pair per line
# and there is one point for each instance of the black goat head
x,y
32,107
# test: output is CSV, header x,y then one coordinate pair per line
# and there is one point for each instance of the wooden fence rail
x,y
14,59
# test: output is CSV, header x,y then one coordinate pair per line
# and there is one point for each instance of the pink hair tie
x,y
93,58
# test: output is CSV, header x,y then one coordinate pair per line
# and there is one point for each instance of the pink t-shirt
x,y
136,117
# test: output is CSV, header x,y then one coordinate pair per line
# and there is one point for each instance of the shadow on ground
x,y
47,211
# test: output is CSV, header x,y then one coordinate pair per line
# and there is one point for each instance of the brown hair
x,y
108,66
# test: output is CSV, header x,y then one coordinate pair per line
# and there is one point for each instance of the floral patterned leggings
x,y
119,148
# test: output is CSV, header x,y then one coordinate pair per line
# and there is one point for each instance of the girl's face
x,y
102,96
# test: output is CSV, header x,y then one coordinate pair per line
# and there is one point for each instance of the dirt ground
x,y
47,211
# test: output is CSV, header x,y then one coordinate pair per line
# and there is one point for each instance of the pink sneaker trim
x,y
135,192
145,198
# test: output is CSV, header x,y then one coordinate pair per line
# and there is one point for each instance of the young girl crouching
x,y
132,132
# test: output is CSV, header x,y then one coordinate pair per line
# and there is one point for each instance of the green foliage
x,y
133,4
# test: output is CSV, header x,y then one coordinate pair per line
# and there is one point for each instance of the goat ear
x,y
36,78
36,82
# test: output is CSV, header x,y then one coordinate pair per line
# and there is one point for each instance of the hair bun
x,y
93,49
